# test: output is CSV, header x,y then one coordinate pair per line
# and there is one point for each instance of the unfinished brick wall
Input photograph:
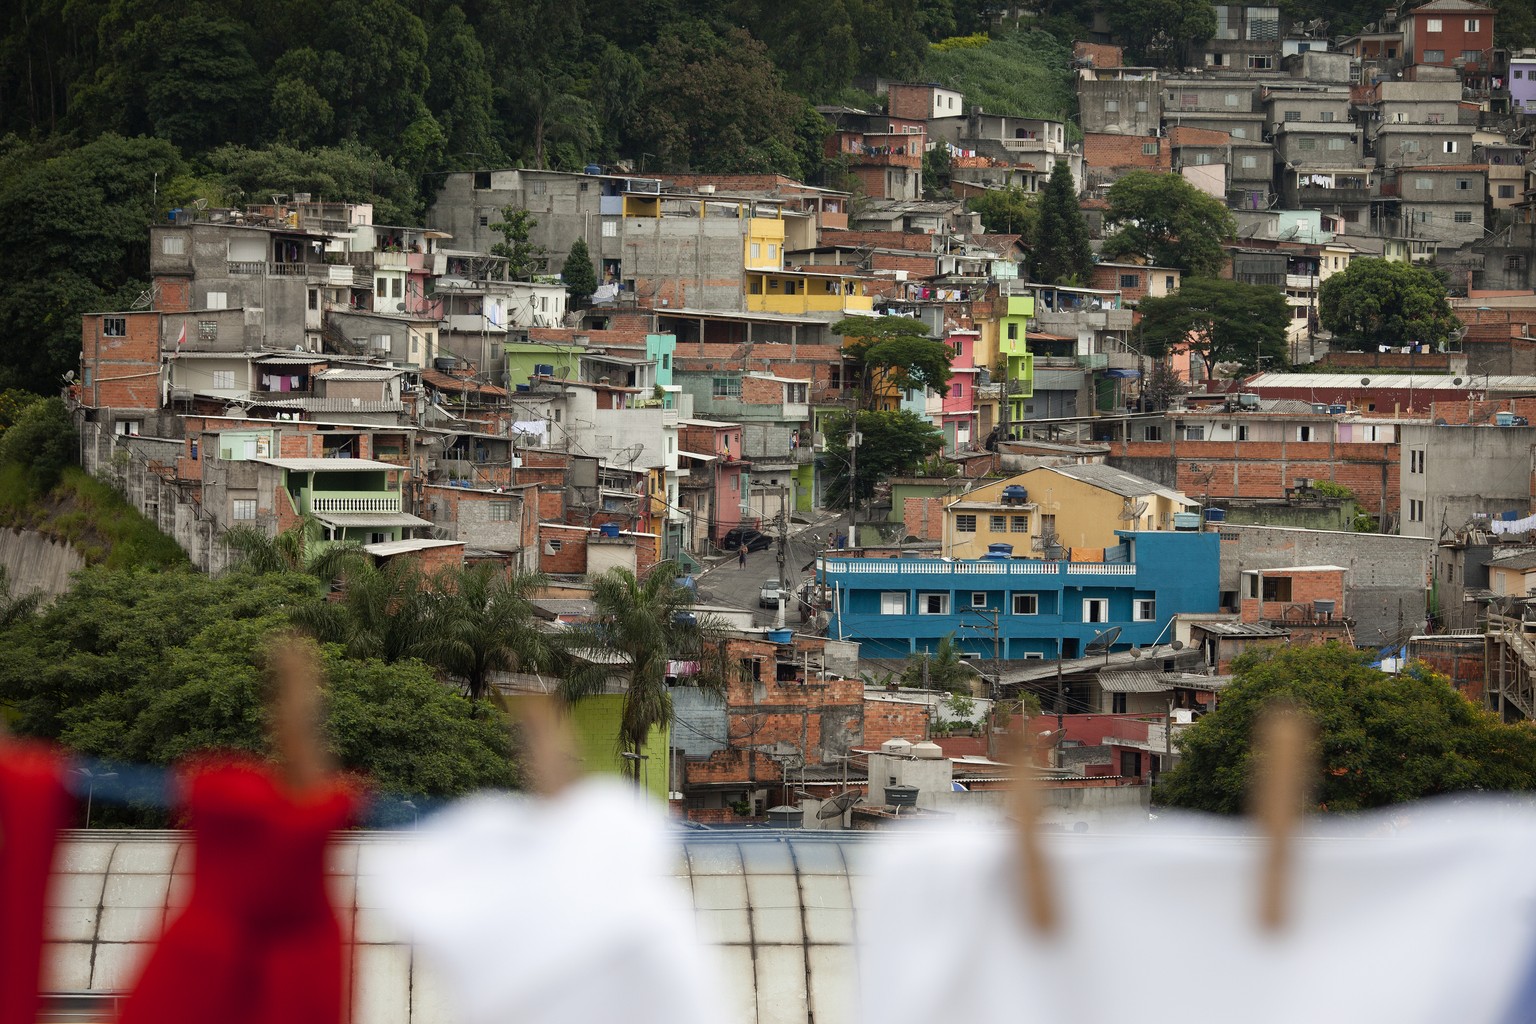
x,y
1306,587
761,391
173,294
122,371
923,518
884,720
570,554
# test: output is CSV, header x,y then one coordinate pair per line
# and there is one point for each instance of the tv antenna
x,y
837,806
1133,510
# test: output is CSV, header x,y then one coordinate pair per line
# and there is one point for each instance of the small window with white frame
x,y
893,602
978,599
1144,609
933,604
243,509
1095,609
1026,604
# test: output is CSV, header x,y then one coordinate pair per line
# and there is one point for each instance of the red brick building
x,y
1450,33
120,361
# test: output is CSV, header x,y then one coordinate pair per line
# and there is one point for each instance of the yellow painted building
x,y
764,247
1058,512
806,291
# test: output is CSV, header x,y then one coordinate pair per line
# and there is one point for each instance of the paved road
x,y
725,583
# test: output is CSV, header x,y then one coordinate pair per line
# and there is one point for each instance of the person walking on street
x,y
741,557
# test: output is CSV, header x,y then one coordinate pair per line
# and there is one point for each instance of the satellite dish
x,y
1365,382
1177,645
1136,653
201,204
1133,510
1456,381
1101,643
838,805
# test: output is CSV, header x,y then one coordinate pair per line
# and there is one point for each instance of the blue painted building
x,y
1039,609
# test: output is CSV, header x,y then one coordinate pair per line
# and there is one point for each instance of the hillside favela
x,y
730,512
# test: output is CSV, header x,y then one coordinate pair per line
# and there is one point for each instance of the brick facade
x,y
887,720
923,518
120,369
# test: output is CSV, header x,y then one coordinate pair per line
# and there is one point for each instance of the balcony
x,y
254,268
391,260
359,503
826,220
1306,281
1326,196
293,269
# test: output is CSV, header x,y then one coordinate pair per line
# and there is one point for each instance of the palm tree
x,y
646,621
383,612
15,607
296,549
481,621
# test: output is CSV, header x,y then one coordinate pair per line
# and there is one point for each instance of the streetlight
x,y
415,814
645,758
90,790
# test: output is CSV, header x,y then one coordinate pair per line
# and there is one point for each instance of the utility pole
x,y
853,482
783,524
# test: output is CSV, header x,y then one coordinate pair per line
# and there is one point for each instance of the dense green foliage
x,y
1022,73
578,275
1061,254
148,667
1165,33
893,444
1165,219
1380,302
41,441
1381,740
1223,321
940,669
1007,211
894,353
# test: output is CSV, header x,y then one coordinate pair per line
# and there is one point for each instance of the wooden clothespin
x,y
295,663
549,745
1033,870
1283,742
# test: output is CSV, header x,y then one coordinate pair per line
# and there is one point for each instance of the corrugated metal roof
x,y
365,520
328,465
402,547
1239,629
330,404
1517,562
1132,681
351,374
1117,481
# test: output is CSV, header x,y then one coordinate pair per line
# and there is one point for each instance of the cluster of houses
x,y
402,388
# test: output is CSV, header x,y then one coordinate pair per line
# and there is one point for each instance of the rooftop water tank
x,y
901,796
785,816
1000,549
609,529
927,750
1014,494
1186,520
1323,609
1215,515
781,636
543,369
1504,419
1248,400
594,168
996,556
897,747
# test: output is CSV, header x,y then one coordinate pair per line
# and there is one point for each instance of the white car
x,y
768,596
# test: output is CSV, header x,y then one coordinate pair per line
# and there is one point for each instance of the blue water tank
x,y
995,556
594,169
1013,494
684,619
1215,515
1006,550
173,214
609,529
543,369
1504,419
781,636
1337,410
525,388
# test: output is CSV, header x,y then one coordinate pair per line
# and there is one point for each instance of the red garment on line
x,y
259,942
34,806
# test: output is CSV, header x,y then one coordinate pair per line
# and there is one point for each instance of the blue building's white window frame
x,y
893,602
1026,604
1096,609
979,598
933,602
1144,609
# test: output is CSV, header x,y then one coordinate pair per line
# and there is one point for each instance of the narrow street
x,y
725,583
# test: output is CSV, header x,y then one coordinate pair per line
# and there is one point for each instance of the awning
x,y
1123,374
369,520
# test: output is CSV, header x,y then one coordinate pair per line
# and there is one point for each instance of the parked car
x,y
768,594
746,537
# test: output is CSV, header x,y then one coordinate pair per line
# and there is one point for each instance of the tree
x,y
347,172
647,621
941,669
1061,254
894,443
1379,302
895,353
383,613
579,275
936,171
1007,211
43,441
524,259
148,667
461,95
1162,386
1161,32
299,548
1166,220
1223,321
15,607
482,621
1382,739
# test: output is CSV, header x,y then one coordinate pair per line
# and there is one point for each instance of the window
x,y
933,604
1018,524
1013,332
485,221
1416,460
1026,604
965,523
1506,191
1415,510
1149,149
1292,115
978,599
1152,432
1303,433
1258,63
1117,704
1194,433
314,298
127,428
1095,609
1306,145
1242,432
1239,133
1111,106
725,387
1048,524
217,300
757,250
114,326
1337,143
1326,117
1472,25
1462,217
1130,764
893,602
501,511
244,509
1144,609
1463,184
173,245
611,228
224,379
1250,162
1519,73
1230,99
1515,262
538,188
1470,56
396,287
958,388
1423,184
1189,99
1434,56
1432,25
207,330
997,524
1130,280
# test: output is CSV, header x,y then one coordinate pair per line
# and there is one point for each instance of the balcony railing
x,y
253,267
294,269
354,504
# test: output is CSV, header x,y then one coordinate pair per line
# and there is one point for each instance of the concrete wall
x,y
37,564
1466,469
